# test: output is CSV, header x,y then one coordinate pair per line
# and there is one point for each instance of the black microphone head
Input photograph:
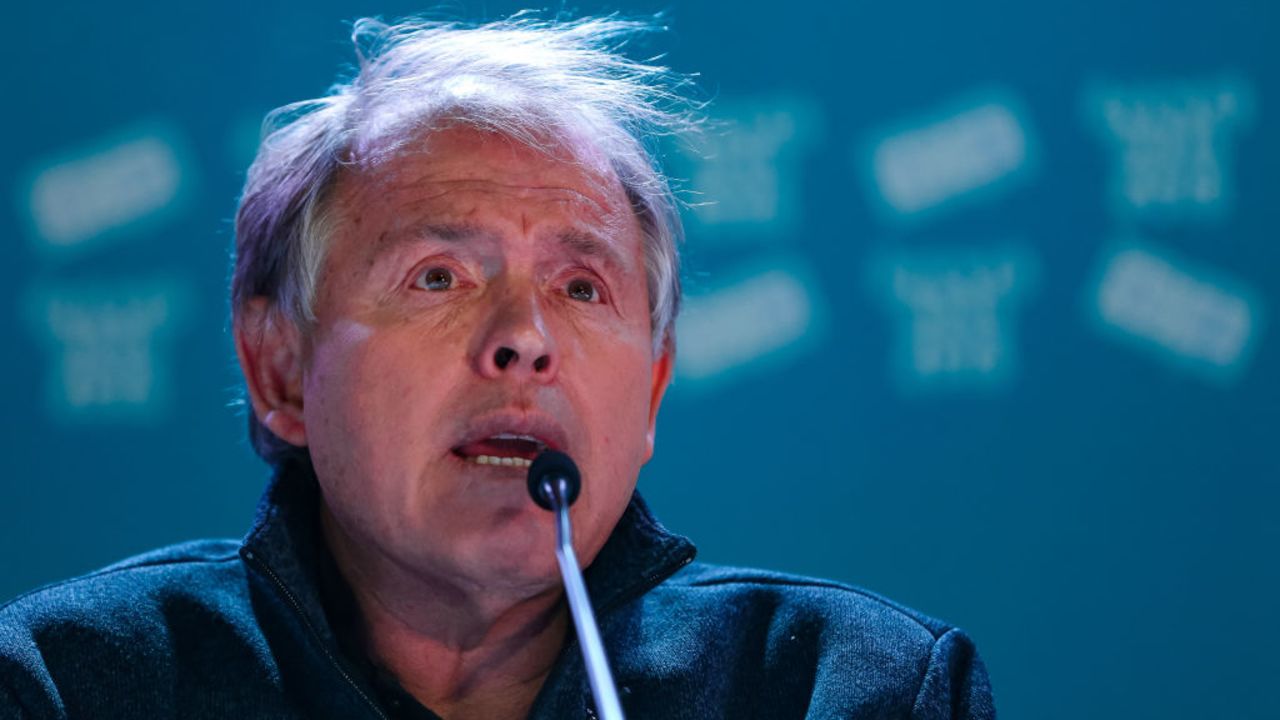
x,y
550,466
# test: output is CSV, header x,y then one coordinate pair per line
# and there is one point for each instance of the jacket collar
x,y
286,544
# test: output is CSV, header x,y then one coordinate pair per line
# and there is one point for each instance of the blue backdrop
x,y
981,312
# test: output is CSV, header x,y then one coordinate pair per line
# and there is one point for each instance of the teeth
x,y
507,461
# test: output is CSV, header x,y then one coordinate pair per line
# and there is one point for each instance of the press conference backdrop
x,y
981,312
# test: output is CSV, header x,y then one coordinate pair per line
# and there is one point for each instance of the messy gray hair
x,y
523,77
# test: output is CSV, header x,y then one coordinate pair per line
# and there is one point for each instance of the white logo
x,y
930,163
746,321
80,199
110,355
746,175
1200,323
1171,145
954,313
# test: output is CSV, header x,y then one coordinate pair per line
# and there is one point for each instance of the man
x,y
459,259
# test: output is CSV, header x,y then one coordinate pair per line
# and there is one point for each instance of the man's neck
x,y
496,674
463,653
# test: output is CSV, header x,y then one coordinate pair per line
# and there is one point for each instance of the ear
x,y
270,350
661,379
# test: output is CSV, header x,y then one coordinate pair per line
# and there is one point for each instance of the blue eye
x,y
436,278
582,290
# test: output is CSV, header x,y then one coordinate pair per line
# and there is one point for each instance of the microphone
x,y
554,483
552,466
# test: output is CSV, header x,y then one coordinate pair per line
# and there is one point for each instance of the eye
x,y
436,278
582,290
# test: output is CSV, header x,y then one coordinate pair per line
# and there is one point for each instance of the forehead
x,y
463,176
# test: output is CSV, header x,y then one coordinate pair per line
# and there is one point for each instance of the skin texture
x,y
452,564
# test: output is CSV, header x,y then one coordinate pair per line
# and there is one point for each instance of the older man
x,y
461,258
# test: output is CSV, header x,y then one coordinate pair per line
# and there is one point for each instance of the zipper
x,y
297,608
657,578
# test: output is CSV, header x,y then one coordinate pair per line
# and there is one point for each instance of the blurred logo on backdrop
x,y
110,347
1172,144
745,174
959,152
758,306
754,318
109,189
954,312
108,341
1192,317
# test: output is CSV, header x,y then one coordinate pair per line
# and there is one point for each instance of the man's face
x,y
479,301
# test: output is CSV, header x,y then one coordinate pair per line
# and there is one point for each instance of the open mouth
x,y
506,449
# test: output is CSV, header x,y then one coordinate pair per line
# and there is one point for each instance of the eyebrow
x,y
591,245
452,232
576,241
446,232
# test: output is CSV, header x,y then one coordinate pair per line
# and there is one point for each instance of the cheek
x,y
360,396
620,401
338,362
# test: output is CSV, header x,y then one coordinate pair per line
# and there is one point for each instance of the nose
x,y
516,343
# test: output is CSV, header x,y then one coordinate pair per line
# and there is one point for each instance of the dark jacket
x,y
260,629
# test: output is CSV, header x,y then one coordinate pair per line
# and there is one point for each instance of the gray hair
x,y
528,79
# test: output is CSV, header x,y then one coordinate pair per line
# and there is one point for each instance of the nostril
x,y
541,363
504,356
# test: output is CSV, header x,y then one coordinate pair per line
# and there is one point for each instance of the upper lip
x,y
549,433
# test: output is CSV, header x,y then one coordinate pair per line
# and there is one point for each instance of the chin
x,y
517,545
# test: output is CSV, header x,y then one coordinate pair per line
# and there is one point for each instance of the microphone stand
x,y
557,492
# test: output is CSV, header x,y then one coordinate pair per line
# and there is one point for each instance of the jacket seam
x,y
827,585
113,570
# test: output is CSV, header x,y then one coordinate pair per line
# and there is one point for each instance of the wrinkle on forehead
x,y
461,154
551,193
404,208
473,179
405,197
